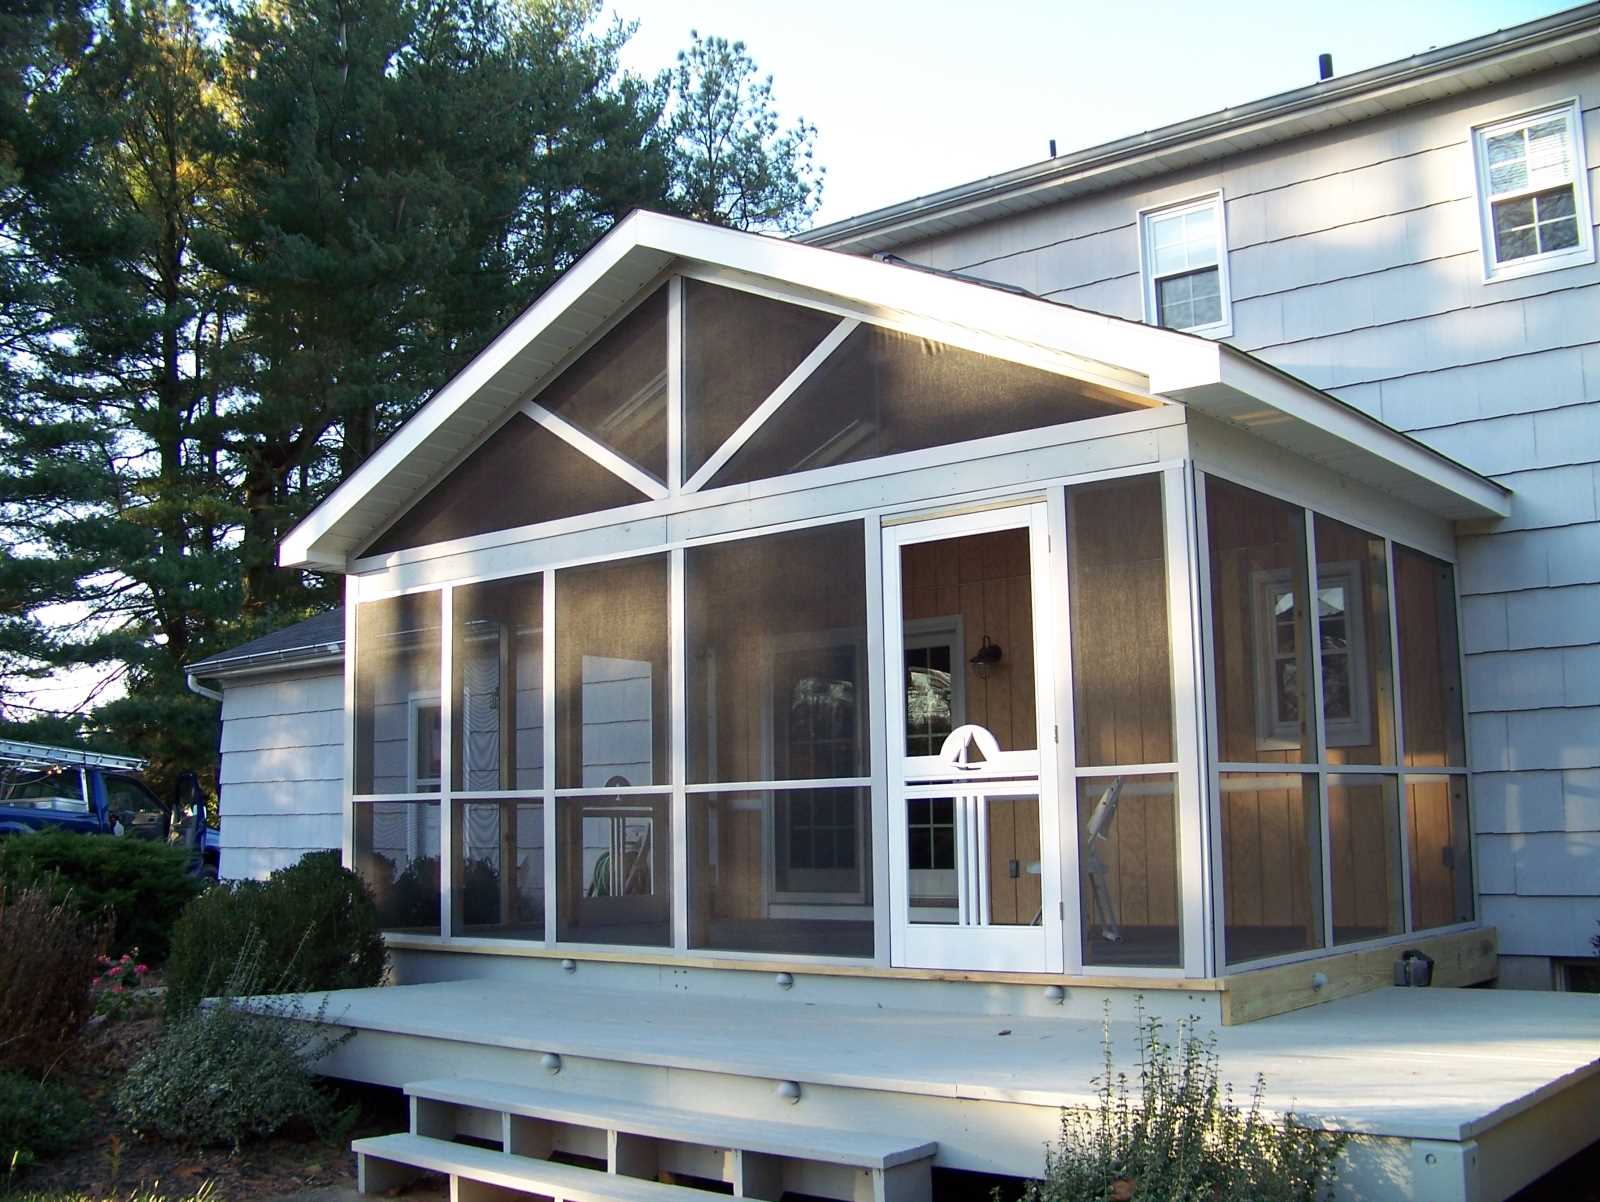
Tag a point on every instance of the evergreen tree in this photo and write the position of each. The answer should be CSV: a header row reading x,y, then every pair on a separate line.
x,y
110,494
732,162
237,250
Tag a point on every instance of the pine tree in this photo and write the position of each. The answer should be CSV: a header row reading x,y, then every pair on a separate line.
x,y
110,492
235,253
733,164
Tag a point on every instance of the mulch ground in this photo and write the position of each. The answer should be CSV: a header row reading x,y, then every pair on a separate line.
x,y
114,1162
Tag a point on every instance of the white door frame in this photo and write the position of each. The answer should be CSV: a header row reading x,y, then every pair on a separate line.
x,y
970,944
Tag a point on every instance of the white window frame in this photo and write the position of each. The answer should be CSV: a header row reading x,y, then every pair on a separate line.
x,y
1556,260
1152,311
1354,731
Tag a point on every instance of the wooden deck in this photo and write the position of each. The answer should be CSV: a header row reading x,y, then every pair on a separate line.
x,y
1457,1093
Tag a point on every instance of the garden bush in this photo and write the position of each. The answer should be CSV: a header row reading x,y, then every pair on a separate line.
x,y
141,885
38,1121
1181,1137
226,1072
48,960
315,920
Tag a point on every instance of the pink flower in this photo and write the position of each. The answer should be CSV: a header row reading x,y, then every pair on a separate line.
x,y
114,970
141,969
116,989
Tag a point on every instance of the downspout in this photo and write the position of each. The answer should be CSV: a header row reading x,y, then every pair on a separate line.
x,y
196,687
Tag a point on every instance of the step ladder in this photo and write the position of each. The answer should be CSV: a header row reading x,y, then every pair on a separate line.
x,y
637,1142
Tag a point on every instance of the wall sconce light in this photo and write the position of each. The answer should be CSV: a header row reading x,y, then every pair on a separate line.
x,y
988,656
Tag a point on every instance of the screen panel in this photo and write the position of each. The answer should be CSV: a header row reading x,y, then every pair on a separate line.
x,y
613,694
1260,626
498,665
1430,661
776,683
883,392
1271,864
398,744
1353,621
1121,653
785,871
616,392
737,348
522,474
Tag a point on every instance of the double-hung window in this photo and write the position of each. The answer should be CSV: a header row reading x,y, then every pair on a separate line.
x,y
1185,253
1532,193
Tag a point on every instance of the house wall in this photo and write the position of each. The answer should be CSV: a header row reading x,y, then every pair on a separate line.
x,y
1355,264
282,776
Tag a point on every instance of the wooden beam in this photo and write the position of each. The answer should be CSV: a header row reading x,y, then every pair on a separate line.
x,y
1459,959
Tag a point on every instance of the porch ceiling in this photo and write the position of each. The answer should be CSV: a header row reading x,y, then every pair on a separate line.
x,y
1153,365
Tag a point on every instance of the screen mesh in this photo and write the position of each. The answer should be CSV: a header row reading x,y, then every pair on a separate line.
x,y
613,696
737,348
616,392
1121,654
1430,660
776,679
522,474
498,662
785,872
614,869
883,391
398,748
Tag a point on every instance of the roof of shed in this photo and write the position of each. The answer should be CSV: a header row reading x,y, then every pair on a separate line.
x,y
1433,75
1162,366
319,637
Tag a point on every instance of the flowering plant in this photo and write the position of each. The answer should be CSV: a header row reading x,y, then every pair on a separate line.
x,y
119,987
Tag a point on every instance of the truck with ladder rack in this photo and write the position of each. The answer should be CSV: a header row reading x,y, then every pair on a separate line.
x,y
94,793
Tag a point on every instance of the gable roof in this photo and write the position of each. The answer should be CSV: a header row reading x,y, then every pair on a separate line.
x,y
1156,365
1344,99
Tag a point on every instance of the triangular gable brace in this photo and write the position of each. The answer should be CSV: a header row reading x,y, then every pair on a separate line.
x,y
1207,376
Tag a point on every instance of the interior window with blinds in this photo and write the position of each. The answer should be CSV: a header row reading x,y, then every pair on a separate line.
x,y
1533,210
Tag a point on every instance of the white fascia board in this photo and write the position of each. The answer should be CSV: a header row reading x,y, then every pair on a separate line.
x,y
1099,340
299,547
1459,491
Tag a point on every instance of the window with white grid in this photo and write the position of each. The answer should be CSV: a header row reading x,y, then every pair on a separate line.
x,y
1533,194
1185,252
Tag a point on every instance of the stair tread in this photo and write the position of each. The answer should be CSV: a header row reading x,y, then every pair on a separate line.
x,y
571,1183
859,1149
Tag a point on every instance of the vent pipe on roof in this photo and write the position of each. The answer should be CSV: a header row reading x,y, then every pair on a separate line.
x,y
1324,66
1052,148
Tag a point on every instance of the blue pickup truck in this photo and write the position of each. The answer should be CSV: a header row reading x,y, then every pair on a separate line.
x,y
92,793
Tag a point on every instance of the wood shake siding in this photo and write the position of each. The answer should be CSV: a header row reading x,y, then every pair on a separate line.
x,y
1356,265
282,770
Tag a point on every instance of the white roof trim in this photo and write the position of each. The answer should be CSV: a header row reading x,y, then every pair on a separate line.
x,y
534,347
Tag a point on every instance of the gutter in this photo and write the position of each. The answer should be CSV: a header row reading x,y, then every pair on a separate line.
x,y
902,218
263,661
196,687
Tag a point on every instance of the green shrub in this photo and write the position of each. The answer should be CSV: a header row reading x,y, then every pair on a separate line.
x,y
38,1121
141,885
48,961
1181,1137
231,1071
315,920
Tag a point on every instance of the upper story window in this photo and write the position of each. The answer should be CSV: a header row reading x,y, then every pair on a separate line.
x,y
1185,252
1533,197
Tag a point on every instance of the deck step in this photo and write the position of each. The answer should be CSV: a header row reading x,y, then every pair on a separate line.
x,y
523,1174
856,1149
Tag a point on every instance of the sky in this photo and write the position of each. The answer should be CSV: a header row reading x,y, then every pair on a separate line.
x,y
909,98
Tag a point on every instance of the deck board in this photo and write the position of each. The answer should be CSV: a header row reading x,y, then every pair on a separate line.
x,y
1413,1063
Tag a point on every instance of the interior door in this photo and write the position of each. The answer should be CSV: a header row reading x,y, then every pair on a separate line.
x,y
973,847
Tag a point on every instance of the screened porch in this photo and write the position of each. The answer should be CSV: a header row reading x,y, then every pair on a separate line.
x,y
781,626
